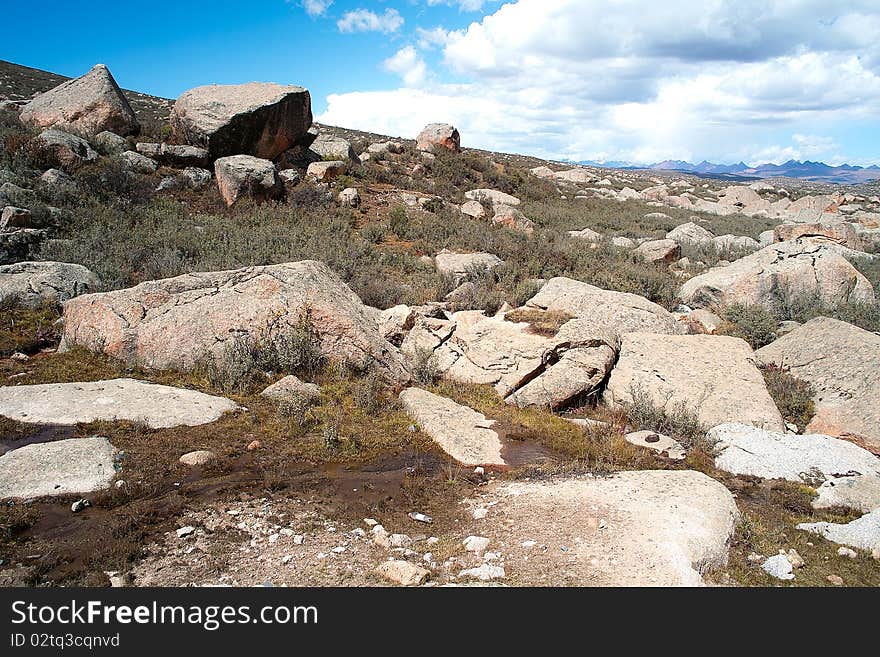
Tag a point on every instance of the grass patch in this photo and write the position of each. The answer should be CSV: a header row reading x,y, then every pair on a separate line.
x,y
26,330
793,397
541,322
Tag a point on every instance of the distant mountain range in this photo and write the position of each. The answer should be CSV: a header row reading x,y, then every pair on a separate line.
x,y
813,171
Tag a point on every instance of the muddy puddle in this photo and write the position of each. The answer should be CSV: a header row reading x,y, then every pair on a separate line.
x,y
40,433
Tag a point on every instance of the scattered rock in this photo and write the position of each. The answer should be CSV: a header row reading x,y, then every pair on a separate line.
x,y
349,197
464,434
183,532
244,175
485,573
138,163
862,533
493,197
80,505
175,155
461,266
69,150
778,566
659,251
474,210
198,458
155,405
330,147
663,445
36,283
476,544
290,387
109,143
61,467
511,218
403,573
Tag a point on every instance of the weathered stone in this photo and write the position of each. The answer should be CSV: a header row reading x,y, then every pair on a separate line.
x,y
57,178
438,136
690,234
800,267
36,283
862,533
473,209
642,528
176,323
12,217
63,467
841,232
834,466
69,150
198,458
138,163
155,405
87,105
735,243
349,197
587,234
243,175
623,242
575,176
330,147
175,155
460,266
196,178
705,321
464,434
395,322
860,492
511,218
621,311
493,197
327,171
712,376
258,119
291,387
402,572
659,251
542,172
109,143
841,362
657,442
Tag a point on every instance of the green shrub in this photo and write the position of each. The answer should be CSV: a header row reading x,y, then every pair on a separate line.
x,y
679,421
751,322
793,396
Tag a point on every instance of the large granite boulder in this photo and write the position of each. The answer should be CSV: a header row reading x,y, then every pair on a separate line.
x,y
257,118
36,283
841,232
690,234
177,323
842,362
86,105
712,376
785,269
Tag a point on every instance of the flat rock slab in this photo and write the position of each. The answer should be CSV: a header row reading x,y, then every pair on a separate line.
x,y
843,472
639,528
657,442
862,533
64,467
711,375
158,406
463,433
842,362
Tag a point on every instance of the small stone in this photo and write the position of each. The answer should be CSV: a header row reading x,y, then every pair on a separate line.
x,y
400,540
19,357
79,505
254,445
339,549
480,471
795,559
836,580
755,558
403,573
369,522
529,544
485,573
476,544
778,566
480,513
846,552
421,517
298,539
197,458
183,532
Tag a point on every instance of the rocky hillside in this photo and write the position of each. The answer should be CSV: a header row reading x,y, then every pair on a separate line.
x,y
240,347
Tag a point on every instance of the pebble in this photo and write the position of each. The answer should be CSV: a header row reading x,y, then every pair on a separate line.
x,y
485,573
183,532
837,580
480,513
79,505
254,445
846,552
778,566
477,544
19,357
421,517
795,559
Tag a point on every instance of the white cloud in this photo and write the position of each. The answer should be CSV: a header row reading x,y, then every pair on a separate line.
x,y
364,20
463,5
641,81
436,36
316,8
408,64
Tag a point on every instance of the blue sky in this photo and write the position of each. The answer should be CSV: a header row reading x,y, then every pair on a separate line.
x,y
753,80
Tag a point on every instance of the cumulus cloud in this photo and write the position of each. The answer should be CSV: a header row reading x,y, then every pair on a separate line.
x,y
408,64
640,81
364,20
434,37
463,5
316,8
